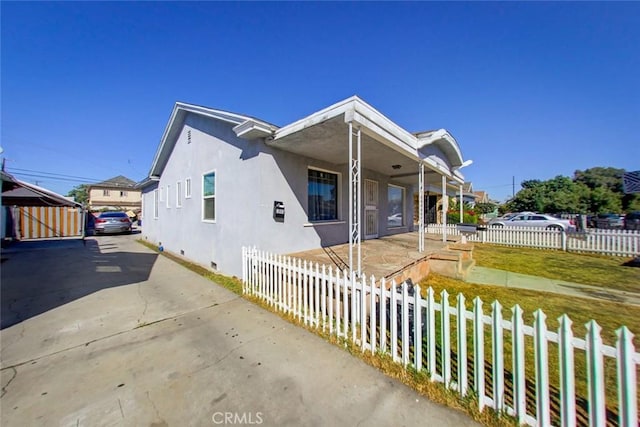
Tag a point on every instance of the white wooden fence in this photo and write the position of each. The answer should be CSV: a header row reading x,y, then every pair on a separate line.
x,y
390,318
606,242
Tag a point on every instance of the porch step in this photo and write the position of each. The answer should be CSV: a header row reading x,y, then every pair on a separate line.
x,y
452,263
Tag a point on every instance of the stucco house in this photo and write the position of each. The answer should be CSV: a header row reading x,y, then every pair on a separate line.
x,y
220,181
118,193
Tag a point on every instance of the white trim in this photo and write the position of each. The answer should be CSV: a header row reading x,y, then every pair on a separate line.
x,y
314,224
168,196
188,188
404,206
215,196
338,198
252,129
156,203
178,194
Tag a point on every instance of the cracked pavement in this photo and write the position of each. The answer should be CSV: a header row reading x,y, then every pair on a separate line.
x,y
110,333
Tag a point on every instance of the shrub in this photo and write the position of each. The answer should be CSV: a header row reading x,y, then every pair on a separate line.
x,y
470,217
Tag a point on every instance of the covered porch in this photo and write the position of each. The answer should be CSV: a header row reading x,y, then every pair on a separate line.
x,y
396,257
357,138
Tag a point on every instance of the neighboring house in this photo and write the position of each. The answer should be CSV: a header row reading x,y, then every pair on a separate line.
x,y
481,197
468,195
118,193
220,181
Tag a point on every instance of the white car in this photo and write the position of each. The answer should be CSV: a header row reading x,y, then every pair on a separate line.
x,y
528,219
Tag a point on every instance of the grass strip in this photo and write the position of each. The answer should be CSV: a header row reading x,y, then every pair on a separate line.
x,y
588,269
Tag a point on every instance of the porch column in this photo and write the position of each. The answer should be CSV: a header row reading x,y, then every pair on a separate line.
x,y
445,208
461,208
421,208
355,198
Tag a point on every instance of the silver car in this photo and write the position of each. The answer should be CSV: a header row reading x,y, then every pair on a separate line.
x,y
113,222
528,219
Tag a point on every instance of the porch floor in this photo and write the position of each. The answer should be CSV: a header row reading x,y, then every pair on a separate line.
x,y
382,257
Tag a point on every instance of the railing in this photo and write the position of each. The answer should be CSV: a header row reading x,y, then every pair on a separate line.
x,y
389,318
606,242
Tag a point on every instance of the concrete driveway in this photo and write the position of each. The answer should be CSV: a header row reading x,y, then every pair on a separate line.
x,y
108,333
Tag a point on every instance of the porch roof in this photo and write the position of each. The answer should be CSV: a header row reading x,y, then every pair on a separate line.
x,y
387,148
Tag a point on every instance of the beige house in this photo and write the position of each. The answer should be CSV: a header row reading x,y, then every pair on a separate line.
x,y
118,193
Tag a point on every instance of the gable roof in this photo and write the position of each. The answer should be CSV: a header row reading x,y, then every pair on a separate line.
x,y
245,126
119,181
289,137
481,195
20,193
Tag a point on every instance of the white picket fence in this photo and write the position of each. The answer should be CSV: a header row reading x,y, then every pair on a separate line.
x,y
606,242
389,318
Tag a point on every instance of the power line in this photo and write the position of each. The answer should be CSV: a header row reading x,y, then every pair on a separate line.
x,y
19,170
31,175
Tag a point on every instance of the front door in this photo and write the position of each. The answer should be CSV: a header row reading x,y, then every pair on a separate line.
x,y
370,209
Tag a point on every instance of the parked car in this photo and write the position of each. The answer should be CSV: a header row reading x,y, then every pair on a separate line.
x,y
632,221
609,221
528,219
112,222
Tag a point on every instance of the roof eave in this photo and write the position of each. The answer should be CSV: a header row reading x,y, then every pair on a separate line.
x,y
253,129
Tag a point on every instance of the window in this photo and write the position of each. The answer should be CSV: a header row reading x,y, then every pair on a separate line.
x,y
105,192
395,202
156,196
168,196
161,194
187,188
123,194
209,196
178,194
323,195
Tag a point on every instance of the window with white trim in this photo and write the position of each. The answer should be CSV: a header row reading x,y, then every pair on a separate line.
x,y
209,196
187,188
161,194
178,194
155,203
168,196
395,202
322,189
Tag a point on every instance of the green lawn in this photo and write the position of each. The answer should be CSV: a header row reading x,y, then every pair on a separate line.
x,y
609,315
595,270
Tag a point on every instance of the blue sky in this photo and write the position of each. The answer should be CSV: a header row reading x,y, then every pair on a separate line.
x,y
530,90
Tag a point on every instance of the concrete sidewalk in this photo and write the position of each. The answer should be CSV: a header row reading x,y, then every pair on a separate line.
x,y
492,276
112,334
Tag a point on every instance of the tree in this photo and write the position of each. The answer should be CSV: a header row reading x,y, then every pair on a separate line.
x,y
610,178
595,190
80,193
485,208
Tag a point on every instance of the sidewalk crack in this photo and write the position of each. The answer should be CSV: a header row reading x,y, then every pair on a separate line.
x,y
4,389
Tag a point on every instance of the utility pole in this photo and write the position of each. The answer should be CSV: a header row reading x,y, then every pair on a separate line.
x,y
513,186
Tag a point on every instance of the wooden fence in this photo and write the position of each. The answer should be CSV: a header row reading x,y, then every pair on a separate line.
x,y
464,349
42,222
606,242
